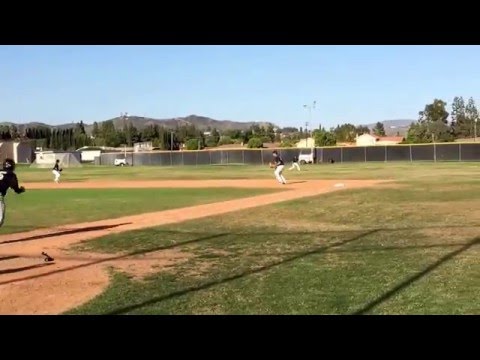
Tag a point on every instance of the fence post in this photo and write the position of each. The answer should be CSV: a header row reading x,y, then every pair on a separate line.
x,y
434,152
196,158
459,152
210,157
171,160
261,153
365,153
243,157
386,156
410,147
228,152
341,155
183,161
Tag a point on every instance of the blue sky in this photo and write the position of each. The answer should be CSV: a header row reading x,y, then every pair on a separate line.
x,y
357,84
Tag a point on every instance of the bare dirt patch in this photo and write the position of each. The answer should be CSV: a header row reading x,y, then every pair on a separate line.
x,y
28,285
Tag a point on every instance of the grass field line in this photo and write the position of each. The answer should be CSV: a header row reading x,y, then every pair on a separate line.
x,y
87,278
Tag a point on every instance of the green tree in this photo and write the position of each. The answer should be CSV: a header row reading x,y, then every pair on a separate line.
x,y
471,114
379,129
287,143
458,116
150,133
434,112
96,130
289,130
225,140
255,143
324,138
345,133
216,136
193,144
210,142
432,125
14,132
362,129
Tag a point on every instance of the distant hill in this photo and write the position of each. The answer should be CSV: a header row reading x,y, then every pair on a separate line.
x,y
200,122
392,127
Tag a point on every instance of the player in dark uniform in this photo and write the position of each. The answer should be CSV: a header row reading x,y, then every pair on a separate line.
x,y
279,164
294,164
8,179
56,171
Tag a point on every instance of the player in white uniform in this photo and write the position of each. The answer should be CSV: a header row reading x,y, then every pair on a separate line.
x,y
56,171
279,165
294,164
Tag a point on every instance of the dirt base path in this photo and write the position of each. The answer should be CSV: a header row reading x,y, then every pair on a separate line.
x,y
28,285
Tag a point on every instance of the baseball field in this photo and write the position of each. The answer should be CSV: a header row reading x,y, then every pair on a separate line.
x,y
373,238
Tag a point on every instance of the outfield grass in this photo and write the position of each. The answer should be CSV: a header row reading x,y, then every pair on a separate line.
x,y
407,250
395,170
44,208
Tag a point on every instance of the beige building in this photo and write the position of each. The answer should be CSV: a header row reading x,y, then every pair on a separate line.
x,y
366,140
372,140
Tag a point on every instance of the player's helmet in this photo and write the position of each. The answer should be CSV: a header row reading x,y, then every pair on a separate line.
x,y
9,165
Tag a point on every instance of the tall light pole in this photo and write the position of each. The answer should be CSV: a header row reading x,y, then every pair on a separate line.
x,y
475,129
309,108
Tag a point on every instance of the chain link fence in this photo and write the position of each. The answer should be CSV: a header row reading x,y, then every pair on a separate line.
x,y
421,152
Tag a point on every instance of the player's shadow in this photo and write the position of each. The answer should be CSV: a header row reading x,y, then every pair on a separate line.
x,y
64,232
24,268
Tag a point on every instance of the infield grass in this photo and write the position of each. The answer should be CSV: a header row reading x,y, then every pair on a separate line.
x,y
45,208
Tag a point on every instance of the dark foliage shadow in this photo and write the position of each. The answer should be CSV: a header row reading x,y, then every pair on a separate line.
x,y
24,268
64,232
9,257
384,297
112,258
237,276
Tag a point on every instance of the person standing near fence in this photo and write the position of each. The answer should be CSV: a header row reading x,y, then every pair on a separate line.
x,y
295,164
278,164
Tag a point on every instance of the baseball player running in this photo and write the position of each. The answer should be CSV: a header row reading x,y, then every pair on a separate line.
x,y
278,164
8,179
294,164
56,171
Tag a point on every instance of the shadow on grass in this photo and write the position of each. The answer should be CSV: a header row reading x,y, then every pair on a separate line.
x,y
292,257
207,285
112,258
64,232
415,277
24,268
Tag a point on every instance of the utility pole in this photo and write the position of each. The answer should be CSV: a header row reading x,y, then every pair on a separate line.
x,y
309,108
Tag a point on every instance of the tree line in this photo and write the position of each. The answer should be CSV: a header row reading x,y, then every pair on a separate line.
x,y
435,124
106,134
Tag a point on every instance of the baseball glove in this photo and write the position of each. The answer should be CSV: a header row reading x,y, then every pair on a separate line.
x,y
272,165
